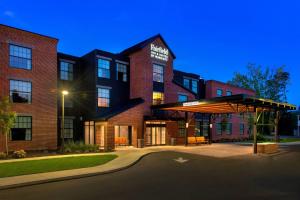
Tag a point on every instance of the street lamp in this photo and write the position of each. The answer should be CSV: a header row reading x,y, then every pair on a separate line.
x,y
64,92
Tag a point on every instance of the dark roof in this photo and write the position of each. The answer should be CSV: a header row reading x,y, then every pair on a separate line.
x,y
67,56
230,85
29,32
227,104
144,43
196,76
117,110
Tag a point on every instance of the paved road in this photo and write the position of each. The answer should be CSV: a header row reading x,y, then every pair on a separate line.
x,y
158,176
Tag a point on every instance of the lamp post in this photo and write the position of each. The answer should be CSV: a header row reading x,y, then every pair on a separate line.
x,y
64,92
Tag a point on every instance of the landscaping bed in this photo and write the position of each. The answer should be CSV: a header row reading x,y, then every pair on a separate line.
x,y
52,164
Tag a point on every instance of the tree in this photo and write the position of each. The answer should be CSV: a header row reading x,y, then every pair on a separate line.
x,y
7,119
266,82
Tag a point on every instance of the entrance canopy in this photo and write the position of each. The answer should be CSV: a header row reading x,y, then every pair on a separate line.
x,y
227,104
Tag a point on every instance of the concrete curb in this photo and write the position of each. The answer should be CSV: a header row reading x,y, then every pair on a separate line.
x,y
74,177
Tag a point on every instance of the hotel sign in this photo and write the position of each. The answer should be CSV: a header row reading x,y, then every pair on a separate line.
x,y
193,103
159,53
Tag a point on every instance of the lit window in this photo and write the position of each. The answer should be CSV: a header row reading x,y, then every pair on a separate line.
x,y
228,93
242,129
121,72
68,129
186,83
103,97
158,73
66,71
103,68
19,57
20,91
182,98
22,128
219,92
181,128
158,98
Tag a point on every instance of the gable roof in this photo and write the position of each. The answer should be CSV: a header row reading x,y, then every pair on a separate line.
x,y
144,43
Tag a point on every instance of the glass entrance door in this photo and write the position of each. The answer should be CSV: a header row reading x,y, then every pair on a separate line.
x,y
156,135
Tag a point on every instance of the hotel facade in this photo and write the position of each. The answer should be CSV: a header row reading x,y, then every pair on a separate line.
x,y
111,96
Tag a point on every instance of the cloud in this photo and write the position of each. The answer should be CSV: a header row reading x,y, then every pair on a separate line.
x,y
9,13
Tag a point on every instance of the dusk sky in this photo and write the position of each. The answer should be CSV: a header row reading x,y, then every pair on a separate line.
x,y
211,38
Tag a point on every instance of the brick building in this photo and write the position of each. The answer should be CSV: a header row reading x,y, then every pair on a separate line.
x,y
110,94
28,75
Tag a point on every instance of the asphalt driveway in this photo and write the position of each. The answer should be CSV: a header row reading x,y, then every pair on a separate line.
x,y
159,176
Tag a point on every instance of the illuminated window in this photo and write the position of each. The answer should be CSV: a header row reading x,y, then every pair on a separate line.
x,y
158,98
103,97
219,92
20,91
228,93
66,71
181,128
186,83
158,73
121,72
103,68
19,57
182,98
22,128
195,86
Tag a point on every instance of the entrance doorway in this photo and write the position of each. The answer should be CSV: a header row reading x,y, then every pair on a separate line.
x,y
123,135
156,135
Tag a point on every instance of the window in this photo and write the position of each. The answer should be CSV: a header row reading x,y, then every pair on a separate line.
x,y
228,93
198,128
19,57
181,128
103,68
121,72
103,97
219,92
68,102
242,129
22,128
158,98
229,128
158,73
219,128
182,98
68,129
20,91
195,86
66,71
186,83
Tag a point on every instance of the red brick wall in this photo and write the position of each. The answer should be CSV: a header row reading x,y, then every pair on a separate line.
x,y
43,76
211,91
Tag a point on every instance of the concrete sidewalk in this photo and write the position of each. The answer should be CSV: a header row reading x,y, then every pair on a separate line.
x,y
127,157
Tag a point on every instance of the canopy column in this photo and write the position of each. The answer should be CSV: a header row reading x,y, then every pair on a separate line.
x,y
276,126
186,127
210,129
255,131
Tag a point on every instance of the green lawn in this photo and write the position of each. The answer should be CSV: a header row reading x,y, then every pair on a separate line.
x,y
52,164
283,140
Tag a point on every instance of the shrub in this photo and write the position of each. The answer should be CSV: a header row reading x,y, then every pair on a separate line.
x,y
80,147
2,155
19,154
